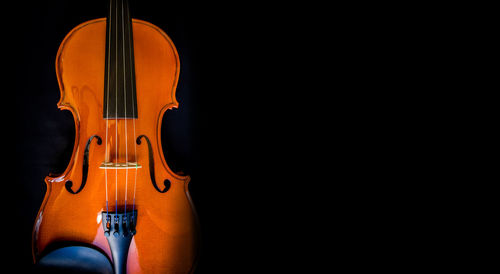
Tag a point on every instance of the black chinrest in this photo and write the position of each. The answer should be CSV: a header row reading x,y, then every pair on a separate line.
x,y
75,259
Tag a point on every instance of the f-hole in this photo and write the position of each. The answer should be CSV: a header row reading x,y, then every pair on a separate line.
x,y
85,168
166,182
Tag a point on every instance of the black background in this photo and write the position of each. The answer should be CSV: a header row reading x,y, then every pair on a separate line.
x,y
251,113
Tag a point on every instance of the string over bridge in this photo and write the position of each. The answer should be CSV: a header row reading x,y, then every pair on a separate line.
x,y
127,165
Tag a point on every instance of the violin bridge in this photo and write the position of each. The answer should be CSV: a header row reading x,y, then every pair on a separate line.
x,y
127,165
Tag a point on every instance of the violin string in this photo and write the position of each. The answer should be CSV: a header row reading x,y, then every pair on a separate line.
x,y
106,155
116,111
133,107
125,119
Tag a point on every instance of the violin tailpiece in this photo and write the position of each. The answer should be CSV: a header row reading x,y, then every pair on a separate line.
x,y
119,228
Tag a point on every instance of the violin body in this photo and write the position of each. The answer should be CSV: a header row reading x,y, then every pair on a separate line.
x,y
95,184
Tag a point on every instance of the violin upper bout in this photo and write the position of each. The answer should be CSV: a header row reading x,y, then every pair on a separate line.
x,y
79,63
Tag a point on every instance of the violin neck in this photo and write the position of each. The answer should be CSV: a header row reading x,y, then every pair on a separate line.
x,y
120,101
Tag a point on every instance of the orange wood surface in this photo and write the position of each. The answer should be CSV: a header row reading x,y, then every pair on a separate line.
x,y
167,236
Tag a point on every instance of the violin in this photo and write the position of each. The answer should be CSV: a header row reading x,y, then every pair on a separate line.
x,y
118,198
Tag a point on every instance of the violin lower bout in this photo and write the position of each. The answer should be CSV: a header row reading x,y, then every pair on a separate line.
x,y
166,231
